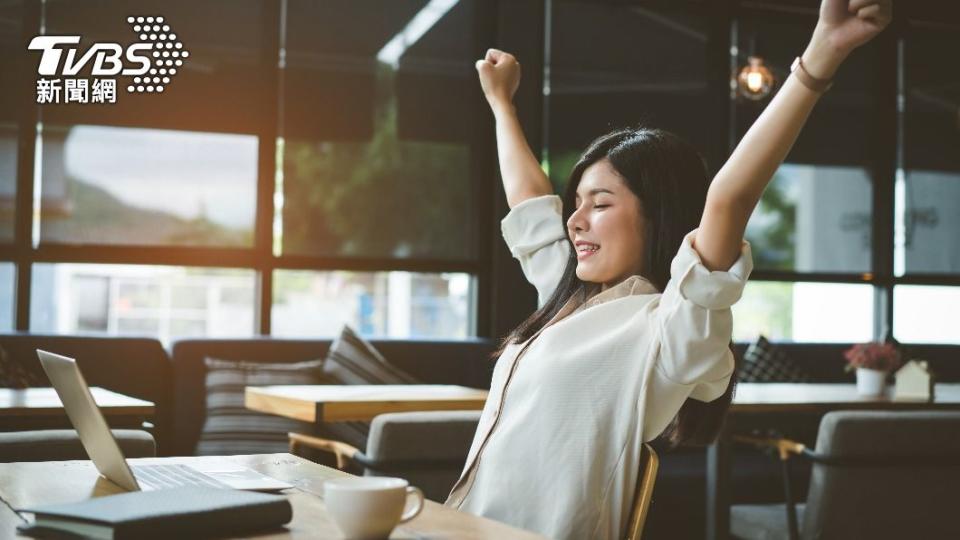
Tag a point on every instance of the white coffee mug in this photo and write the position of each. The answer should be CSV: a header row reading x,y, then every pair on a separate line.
x,y
370,506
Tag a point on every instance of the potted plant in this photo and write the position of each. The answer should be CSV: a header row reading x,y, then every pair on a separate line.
x,y
873,361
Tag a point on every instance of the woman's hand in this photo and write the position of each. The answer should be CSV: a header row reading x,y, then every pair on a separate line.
x,y
499,77
844,25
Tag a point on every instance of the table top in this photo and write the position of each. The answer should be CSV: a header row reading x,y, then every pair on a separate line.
x,y
798,397
45,402
27,484
339,403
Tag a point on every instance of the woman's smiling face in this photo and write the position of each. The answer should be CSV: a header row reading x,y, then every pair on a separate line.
x,y
606,227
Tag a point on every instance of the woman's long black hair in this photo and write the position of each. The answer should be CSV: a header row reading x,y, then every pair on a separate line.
x,y
670,179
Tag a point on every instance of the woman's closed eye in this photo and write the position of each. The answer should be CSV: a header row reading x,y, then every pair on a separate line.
x,y
601,205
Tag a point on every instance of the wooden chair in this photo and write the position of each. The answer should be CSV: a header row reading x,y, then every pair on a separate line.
x,y
344,453
649,463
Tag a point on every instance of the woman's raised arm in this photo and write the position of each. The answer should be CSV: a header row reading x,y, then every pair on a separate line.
x,y
843,26
522,176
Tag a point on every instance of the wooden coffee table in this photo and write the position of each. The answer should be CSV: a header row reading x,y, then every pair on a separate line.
x,y
40,408
341,403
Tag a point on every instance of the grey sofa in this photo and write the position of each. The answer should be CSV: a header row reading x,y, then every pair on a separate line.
x,y
137,367
463,363
64,444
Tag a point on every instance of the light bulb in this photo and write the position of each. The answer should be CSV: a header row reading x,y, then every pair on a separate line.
x,y
755,80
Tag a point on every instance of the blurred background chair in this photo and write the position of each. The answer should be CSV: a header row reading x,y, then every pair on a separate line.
x,y
875,475
64,444
428,449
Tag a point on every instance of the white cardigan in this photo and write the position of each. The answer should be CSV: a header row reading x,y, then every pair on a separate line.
x,y
558,443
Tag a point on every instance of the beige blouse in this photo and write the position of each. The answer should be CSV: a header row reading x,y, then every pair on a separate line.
x,y
557,447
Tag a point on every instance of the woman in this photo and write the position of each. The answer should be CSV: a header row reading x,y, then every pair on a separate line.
x,y
635,269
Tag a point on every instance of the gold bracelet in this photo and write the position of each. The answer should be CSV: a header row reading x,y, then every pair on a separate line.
x,y
800,72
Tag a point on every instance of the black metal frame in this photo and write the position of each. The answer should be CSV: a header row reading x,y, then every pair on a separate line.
x,y
498,304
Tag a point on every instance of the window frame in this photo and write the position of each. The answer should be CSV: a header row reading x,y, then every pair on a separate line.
x,y
499,302
24,252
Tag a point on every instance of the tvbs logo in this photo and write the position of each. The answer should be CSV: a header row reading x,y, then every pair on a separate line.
x,y
106,57
152,62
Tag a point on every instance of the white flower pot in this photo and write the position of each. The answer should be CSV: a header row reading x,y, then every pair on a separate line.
x,y
871,382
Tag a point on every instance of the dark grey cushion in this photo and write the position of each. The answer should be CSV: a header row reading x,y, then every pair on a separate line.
x,y
64,444
916,500
427,435
230,427
434,444
912,499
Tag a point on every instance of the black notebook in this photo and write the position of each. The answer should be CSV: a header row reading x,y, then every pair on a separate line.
x,y
172,513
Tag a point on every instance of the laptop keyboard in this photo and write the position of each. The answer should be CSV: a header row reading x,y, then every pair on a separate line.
x,y
169,476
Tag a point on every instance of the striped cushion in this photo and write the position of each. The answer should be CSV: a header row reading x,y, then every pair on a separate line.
x,y
353,360
230,428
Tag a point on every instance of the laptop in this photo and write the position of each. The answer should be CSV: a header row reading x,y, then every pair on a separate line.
x,y
103,449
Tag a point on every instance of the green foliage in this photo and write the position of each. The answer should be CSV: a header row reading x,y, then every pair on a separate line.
x,y
561,163
766,308
774,243
387,197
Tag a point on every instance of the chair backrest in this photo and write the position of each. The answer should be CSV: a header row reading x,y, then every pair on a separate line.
x,y
647,476
428,448
908,492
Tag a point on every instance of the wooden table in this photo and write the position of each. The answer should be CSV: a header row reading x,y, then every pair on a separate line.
x,y
341,403
27,484
37,408
766,403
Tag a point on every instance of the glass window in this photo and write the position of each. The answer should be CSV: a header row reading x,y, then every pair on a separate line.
x,y
603,75
120,185
813,219
8,177
7,285
804,311
162,301
12,65
379,100
387,304
928,195
926,314
816,216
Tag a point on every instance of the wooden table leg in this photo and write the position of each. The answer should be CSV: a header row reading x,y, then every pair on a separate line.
x,y
718,488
